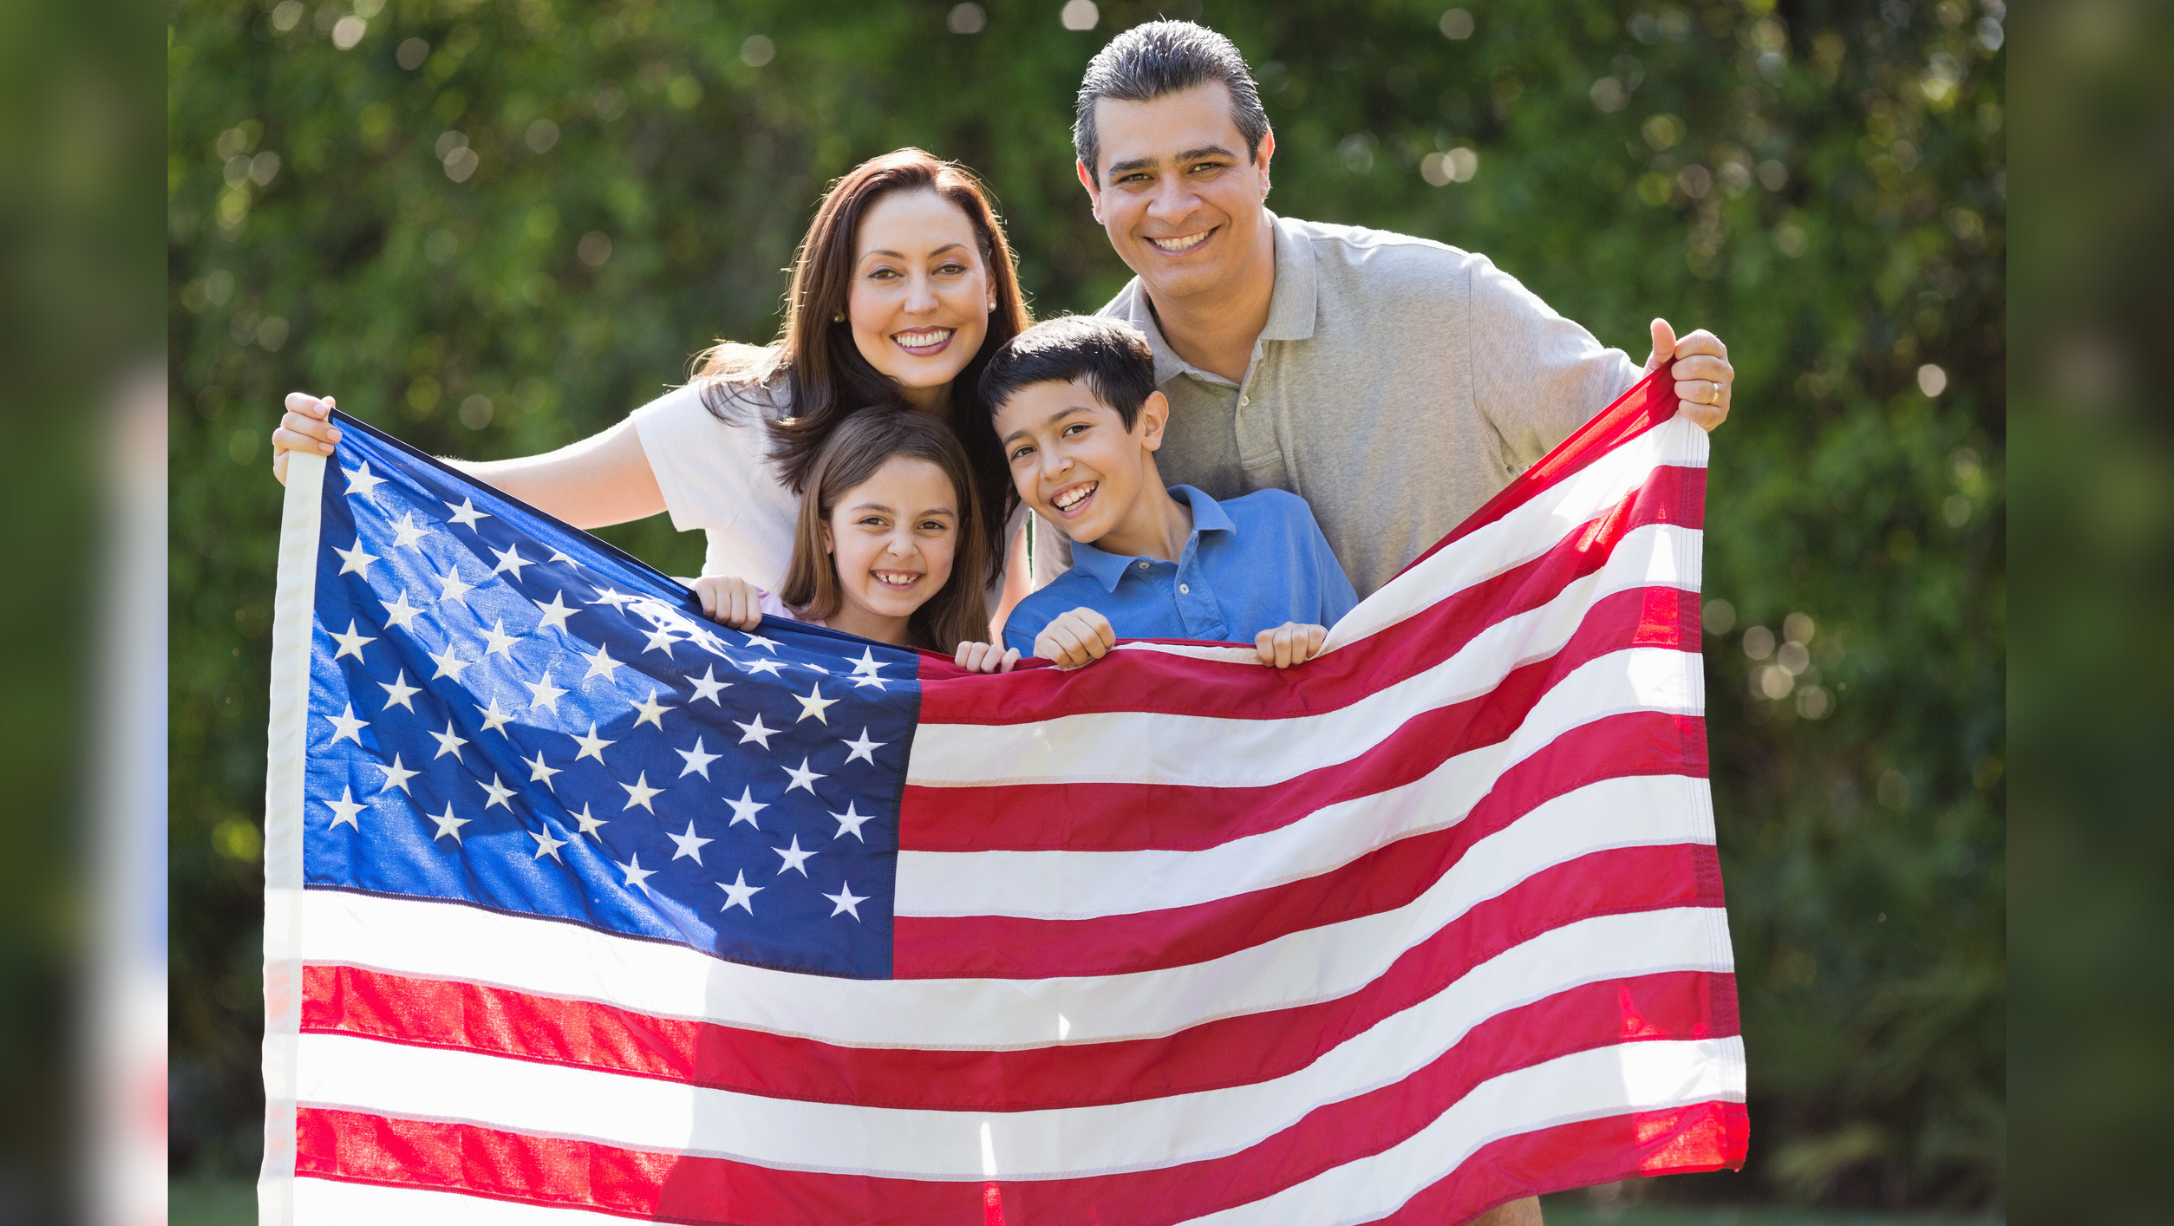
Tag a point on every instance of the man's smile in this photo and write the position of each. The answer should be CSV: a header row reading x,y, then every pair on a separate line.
x,y
1181,243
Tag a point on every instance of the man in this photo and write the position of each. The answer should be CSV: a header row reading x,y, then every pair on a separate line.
x,y
1394,383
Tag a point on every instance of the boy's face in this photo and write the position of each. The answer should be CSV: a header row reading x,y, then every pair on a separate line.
x,y
1071,457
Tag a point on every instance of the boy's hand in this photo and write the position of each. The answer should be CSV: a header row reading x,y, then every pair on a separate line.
x,y
985,657
1079,637
1290,643
735,602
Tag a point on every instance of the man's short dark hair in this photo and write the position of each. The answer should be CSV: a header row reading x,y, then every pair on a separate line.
x,y
1108,355
1149,61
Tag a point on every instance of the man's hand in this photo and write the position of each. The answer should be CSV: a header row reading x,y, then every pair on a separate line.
x,y
1079,637
735,602
985,657
1703,374
1290,643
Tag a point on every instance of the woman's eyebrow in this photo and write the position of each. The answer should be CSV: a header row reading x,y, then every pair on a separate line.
x,y
896,255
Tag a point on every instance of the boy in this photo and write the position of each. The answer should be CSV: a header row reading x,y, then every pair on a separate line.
x,y
1079,418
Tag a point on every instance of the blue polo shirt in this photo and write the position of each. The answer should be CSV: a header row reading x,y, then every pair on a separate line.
x,y
1251,564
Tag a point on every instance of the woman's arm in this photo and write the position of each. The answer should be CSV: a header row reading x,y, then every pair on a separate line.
x,y
603,479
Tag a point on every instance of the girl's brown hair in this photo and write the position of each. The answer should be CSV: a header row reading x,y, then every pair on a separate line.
x,y
858,446
824,372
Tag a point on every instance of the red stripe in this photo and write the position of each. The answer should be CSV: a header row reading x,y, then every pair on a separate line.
x,y
1153,681
1187,817
498,1163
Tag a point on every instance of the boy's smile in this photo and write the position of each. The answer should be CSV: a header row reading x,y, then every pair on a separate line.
x,y
1073,461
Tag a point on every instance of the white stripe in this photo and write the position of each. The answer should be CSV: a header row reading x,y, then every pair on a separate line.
x,y
294,620
1070,884
1586,1085
448,941
642,1113
1526,532
325,1202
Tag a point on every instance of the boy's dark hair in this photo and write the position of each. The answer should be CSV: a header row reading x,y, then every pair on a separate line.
x,y
1110,356
1166,57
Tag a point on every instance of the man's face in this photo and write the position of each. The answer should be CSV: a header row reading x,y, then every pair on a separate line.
x,y
1178,195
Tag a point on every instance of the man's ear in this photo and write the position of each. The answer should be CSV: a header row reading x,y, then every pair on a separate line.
x,y
1154,415
1088,181
1260,159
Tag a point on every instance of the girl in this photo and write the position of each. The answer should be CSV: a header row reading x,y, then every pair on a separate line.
x,y
889,541
902,288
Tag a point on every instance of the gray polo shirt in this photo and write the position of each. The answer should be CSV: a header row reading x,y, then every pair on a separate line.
x,y
1399,384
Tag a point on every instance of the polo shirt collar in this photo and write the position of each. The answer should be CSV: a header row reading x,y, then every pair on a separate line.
x,y
1291,305
1107,568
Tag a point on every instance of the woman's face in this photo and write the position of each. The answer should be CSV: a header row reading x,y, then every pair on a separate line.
x,y
921,297
892,538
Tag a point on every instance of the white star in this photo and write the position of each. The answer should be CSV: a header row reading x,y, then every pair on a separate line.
x,y
399,692
546,845
558,555
350,642
652,712
864,748
407,531
395,777
690,843
449,742
499,793
769,645
850,822
590,825
615,599
745,808
449,665
345,724
707,685
867,665
755,731
767,668
869,679
362,481
708,641
739,893
803,778
467,514
539,773
795,859
555,613
601,664
660,638
814,704
510,559
496,639
447,823
494,719
816,668
345,809
355,559
592,745
848,902
546,694
453,588
399,612
637,876
639,792
698,763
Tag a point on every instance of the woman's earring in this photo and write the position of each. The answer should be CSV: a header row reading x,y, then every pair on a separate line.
x,y
838,317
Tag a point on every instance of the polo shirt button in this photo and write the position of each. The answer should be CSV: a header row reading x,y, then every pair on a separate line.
x,y
1243,400
1185,589
1143,566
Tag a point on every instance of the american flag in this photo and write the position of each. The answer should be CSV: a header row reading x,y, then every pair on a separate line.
x,y
580,907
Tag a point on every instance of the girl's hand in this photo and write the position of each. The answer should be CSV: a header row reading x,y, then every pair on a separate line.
x,y
985,658
306,427
735,602
1079,637
1290,643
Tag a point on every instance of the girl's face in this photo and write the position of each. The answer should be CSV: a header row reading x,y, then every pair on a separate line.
x,y
921,296
892,539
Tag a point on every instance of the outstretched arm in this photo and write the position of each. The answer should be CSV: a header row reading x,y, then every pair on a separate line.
x,y
603,479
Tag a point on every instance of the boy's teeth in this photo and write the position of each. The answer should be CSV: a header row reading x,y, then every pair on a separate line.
x,y
1072,498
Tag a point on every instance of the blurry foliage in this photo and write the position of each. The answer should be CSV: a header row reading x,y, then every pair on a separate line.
x,y
495,228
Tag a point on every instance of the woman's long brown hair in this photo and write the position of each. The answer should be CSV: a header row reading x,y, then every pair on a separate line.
x,y
858,446
823,371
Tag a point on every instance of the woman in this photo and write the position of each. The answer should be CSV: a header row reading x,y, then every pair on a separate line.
x,y
902,289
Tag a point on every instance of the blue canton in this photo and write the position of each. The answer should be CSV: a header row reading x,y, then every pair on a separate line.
x,y
510,713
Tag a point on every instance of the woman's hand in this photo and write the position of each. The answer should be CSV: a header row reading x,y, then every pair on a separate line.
x,y
306,427
1079,637
1290,643
735,602
985,657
